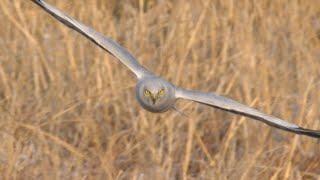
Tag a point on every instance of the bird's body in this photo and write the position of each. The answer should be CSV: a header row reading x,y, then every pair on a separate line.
x,y
158,95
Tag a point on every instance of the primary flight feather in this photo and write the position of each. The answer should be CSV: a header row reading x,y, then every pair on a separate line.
x,y
158,95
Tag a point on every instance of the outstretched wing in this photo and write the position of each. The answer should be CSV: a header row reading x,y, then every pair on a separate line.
x,y
230,105
104,42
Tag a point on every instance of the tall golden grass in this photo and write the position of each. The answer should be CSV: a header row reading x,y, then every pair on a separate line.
x,y
68,110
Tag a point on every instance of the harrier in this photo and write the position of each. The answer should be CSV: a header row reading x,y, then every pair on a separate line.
x,y
158,95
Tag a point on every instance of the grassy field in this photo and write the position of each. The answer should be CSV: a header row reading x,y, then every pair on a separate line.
x,y
64,102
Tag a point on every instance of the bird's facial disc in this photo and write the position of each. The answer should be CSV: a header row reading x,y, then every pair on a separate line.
x,y
154,95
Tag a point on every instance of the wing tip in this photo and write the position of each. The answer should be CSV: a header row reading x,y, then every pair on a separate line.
x,y
308,132
39,2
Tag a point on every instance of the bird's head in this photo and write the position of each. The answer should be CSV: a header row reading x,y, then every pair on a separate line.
x,y
155,94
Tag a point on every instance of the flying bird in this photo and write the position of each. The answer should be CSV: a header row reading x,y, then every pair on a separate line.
x,y
157,95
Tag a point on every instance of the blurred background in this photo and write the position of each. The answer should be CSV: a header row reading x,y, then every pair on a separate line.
x,y
68,109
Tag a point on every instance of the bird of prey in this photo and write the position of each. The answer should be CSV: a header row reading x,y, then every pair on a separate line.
x,y
158,95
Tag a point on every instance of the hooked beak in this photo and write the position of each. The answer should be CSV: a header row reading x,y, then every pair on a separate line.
x,y
154,99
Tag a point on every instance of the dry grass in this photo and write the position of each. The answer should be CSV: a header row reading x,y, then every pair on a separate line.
x,y
64,102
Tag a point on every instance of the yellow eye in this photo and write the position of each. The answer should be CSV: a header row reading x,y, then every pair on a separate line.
x,y
161,92
147,92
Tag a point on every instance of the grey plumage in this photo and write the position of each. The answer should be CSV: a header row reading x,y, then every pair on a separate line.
x,y
104,42
158,95
230,105
154,85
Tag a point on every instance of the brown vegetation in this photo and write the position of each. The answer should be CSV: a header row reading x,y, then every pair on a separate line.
x,y
68,110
